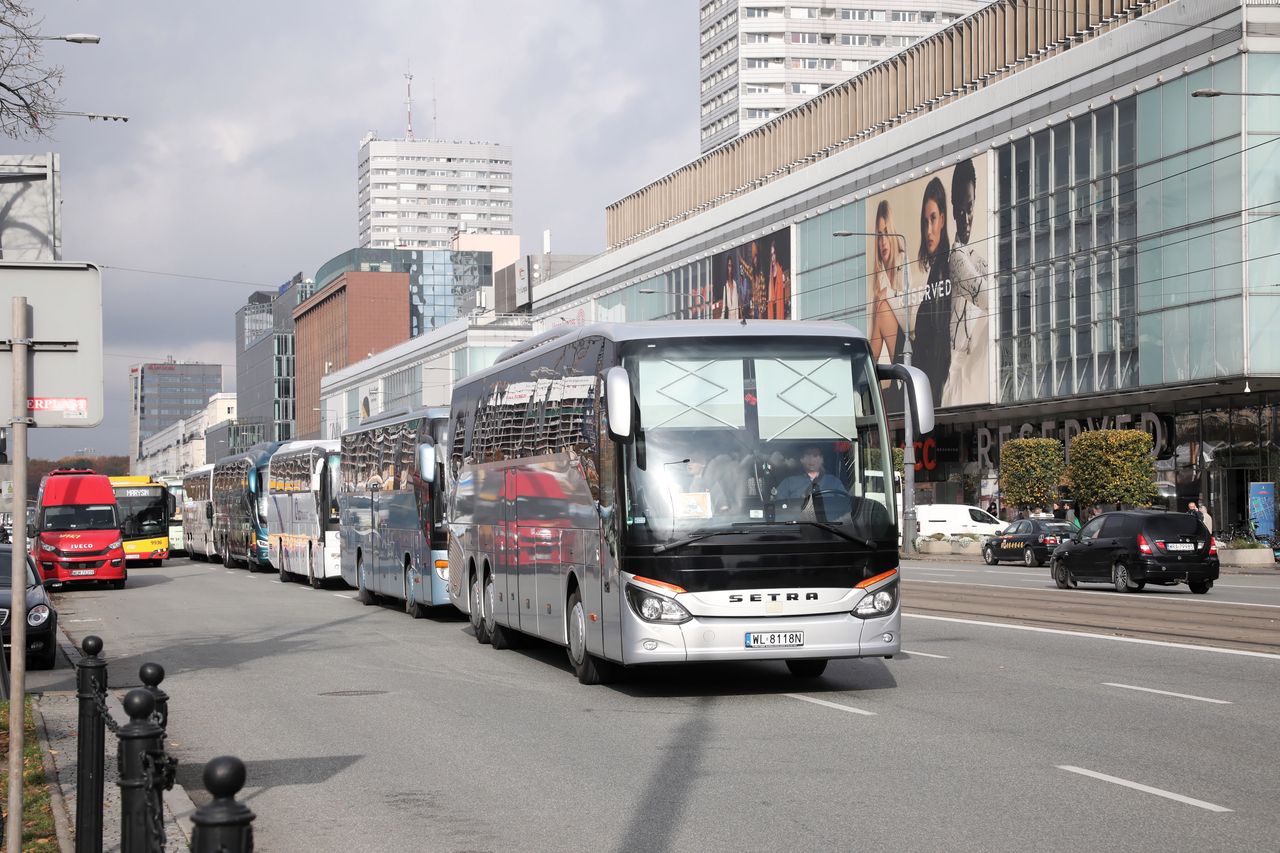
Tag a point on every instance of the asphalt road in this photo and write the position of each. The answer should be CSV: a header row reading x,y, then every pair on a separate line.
x,y
365,729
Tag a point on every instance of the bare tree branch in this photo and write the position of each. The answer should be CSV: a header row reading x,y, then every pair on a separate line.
x,y
28,87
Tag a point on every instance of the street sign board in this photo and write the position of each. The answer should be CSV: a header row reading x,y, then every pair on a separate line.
x,y
65,318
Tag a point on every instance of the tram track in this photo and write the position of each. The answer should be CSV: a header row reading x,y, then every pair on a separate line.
x,y
1141,615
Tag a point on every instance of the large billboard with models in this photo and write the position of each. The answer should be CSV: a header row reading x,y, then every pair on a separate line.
x,y
753,281
928,278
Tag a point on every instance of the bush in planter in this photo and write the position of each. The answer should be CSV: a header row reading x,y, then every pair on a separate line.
x,y
1246,544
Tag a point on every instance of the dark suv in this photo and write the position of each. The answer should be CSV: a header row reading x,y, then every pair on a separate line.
x,y
1133,548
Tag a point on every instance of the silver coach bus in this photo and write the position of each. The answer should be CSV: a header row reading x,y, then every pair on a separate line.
x,y
390,509
197,513
302,511
680,491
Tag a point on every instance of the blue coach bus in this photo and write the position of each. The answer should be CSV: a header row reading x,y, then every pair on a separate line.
x,y
240,507
393,539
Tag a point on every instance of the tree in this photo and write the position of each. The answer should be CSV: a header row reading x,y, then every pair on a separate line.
x,y
38,468
1112,466
28,87
1030,471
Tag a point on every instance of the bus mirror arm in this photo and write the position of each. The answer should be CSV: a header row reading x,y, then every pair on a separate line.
x,y
618,402
919,393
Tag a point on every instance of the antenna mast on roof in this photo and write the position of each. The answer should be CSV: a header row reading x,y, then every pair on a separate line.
x,y
408,103
433,109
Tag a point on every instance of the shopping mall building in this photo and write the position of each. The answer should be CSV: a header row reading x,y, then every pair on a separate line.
x,y
1073,236
1077,237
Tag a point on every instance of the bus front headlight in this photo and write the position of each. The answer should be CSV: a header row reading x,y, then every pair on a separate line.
x,y
878,603
652,607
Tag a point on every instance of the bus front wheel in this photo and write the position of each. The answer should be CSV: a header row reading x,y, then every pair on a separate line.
x,y
589,668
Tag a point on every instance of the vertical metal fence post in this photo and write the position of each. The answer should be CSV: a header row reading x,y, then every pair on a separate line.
x,y
139,797
223,826
91,749
151,674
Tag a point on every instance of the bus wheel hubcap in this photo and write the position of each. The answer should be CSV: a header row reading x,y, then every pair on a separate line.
x,y
577,632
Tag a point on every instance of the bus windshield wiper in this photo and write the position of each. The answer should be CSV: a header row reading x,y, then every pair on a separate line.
x,y
688,540
870,543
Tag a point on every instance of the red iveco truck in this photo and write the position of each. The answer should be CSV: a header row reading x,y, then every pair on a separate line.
x,y
77,535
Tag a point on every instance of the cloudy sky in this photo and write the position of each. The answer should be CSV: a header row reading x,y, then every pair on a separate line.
x,y
238,163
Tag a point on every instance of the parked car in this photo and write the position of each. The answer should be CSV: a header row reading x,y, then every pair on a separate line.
x,y
42,619
1132,548
955,519
1031,541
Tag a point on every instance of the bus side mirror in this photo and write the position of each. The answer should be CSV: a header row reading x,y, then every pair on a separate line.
x,y
171,504
208,511
919,393
427,462
618,403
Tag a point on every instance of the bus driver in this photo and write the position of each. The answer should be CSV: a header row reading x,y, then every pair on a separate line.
x,y
814,487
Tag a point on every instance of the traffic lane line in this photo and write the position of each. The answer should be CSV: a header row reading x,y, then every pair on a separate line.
x,y
1183,598
1092,636
1146,789
827,704
1167,693
343,595
925,655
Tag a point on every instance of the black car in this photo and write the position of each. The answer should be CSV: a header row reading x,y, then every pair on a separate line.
x,y
1133,548
42,619
1031,540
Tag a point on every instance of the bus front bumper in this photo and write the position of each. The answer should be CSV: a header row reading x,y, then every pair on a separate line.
x,y
832,635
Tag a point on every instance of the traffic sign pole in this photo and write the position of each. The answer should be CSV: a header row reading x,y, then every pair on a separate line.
x,y
20,343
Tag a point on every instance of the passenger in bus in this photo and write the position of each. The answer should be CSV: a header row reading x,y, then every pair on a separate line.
x,y
814,489
716,477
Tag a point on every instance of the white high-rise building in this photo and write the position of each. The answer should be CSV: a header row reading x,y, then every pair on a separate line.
x,y
760,58
418,193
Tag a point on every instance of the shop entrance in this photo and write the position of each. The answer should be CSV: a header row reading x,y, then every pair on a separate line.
x,y
1229,494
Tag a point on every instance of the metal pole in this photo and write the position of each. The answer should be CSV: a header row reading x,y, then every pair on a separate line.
x,y
909,450
91,747
140,802
18,575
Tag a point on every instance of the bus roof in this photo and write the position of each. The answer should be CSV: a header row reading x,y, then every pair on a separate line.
x,y
256,455
78,488
399,415
329,444
203,470
668,330
135,480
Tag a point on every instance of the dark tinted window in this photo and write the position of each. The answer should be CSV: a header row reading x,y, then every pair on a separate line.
x,y
1090,530
1174,524
1118,526
1058,529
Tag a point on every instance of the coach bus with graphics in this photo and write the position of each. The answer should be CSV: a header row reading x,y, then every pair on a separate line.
x,y
197,513
302,511
240,507
145,506
392,532
665,492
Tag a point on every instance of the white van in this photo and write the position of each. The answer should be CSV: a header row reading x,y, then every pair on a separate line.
x,y
955,519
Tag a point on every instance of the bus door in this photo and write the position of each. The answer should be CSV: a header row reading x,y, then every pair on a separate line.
x,y
510,564
375,556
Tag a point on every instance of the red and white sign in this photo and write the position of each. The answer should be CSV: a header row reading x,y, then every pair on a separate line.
x,y
70,407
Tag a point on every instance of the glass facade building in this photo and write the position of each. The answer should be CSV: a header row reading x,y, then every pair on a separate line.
x,y
165,392
1118,234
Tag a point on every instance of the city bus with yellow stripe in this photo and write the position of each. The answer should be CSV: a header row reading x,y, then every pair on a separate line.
x,y
145,506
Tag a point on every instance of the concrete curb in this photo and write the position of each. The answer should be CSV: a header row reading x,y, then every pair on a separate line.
x,y
61,813
961,558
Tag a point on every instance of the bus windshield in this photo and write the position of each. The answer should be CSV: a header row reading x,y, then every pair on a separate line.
x,y
79,517
142,512
743,434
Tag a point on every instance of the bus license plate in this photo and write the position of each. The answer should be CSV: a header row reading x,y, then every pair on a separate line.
x,y
81,572
774,639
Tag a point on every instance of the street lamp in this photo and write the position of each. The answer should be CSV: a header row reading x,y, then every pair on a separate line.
x,y
73,38
1217,93
909,442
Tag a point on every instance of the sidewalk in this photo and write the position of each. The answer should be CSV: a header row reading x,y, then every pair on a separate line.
x,y
57,718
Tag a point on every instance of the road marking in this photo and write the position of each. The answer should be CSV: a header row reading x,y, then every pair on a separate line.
x,y
1029,574
250,577
1166,693
69,621
1138,640
827,704
1184,598
926,655
344,595
1147,789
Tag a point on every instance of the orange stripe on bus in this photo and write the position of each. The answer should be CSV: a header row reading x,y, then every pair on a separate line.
x,y
661,584
883,576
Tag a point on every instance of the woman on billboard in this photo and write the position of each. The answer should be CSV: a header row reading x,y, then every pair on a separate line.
x,y
931,335
968,373
779,287
890,284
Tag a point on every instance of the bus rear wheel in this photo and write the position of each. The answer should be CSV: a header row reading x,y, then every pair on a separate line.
x,y
411,606
476,610
499,635
363,595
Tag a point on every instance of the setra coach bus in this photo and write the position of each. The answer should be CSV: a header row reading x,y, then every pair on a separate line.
x,y
390,507
680,491
239,494
197,513
302,511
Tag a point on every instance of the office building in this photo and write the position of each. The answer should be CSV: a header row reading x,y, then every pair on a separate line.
x,y
180,446
1111,234
165,392
419,193
760,58
265,358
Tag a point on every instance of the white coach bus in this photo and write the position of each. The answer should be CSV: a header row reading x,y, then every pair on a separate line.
x,y
302,511
197,513
680,491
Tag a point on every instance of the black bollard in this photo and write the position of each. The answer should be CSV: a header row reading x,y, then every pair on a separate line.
x,y
141,808
91,748
151,674
223,826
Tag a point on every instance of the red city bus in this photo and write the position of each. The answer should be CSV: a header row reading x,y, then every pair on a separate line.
x,y
77,531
